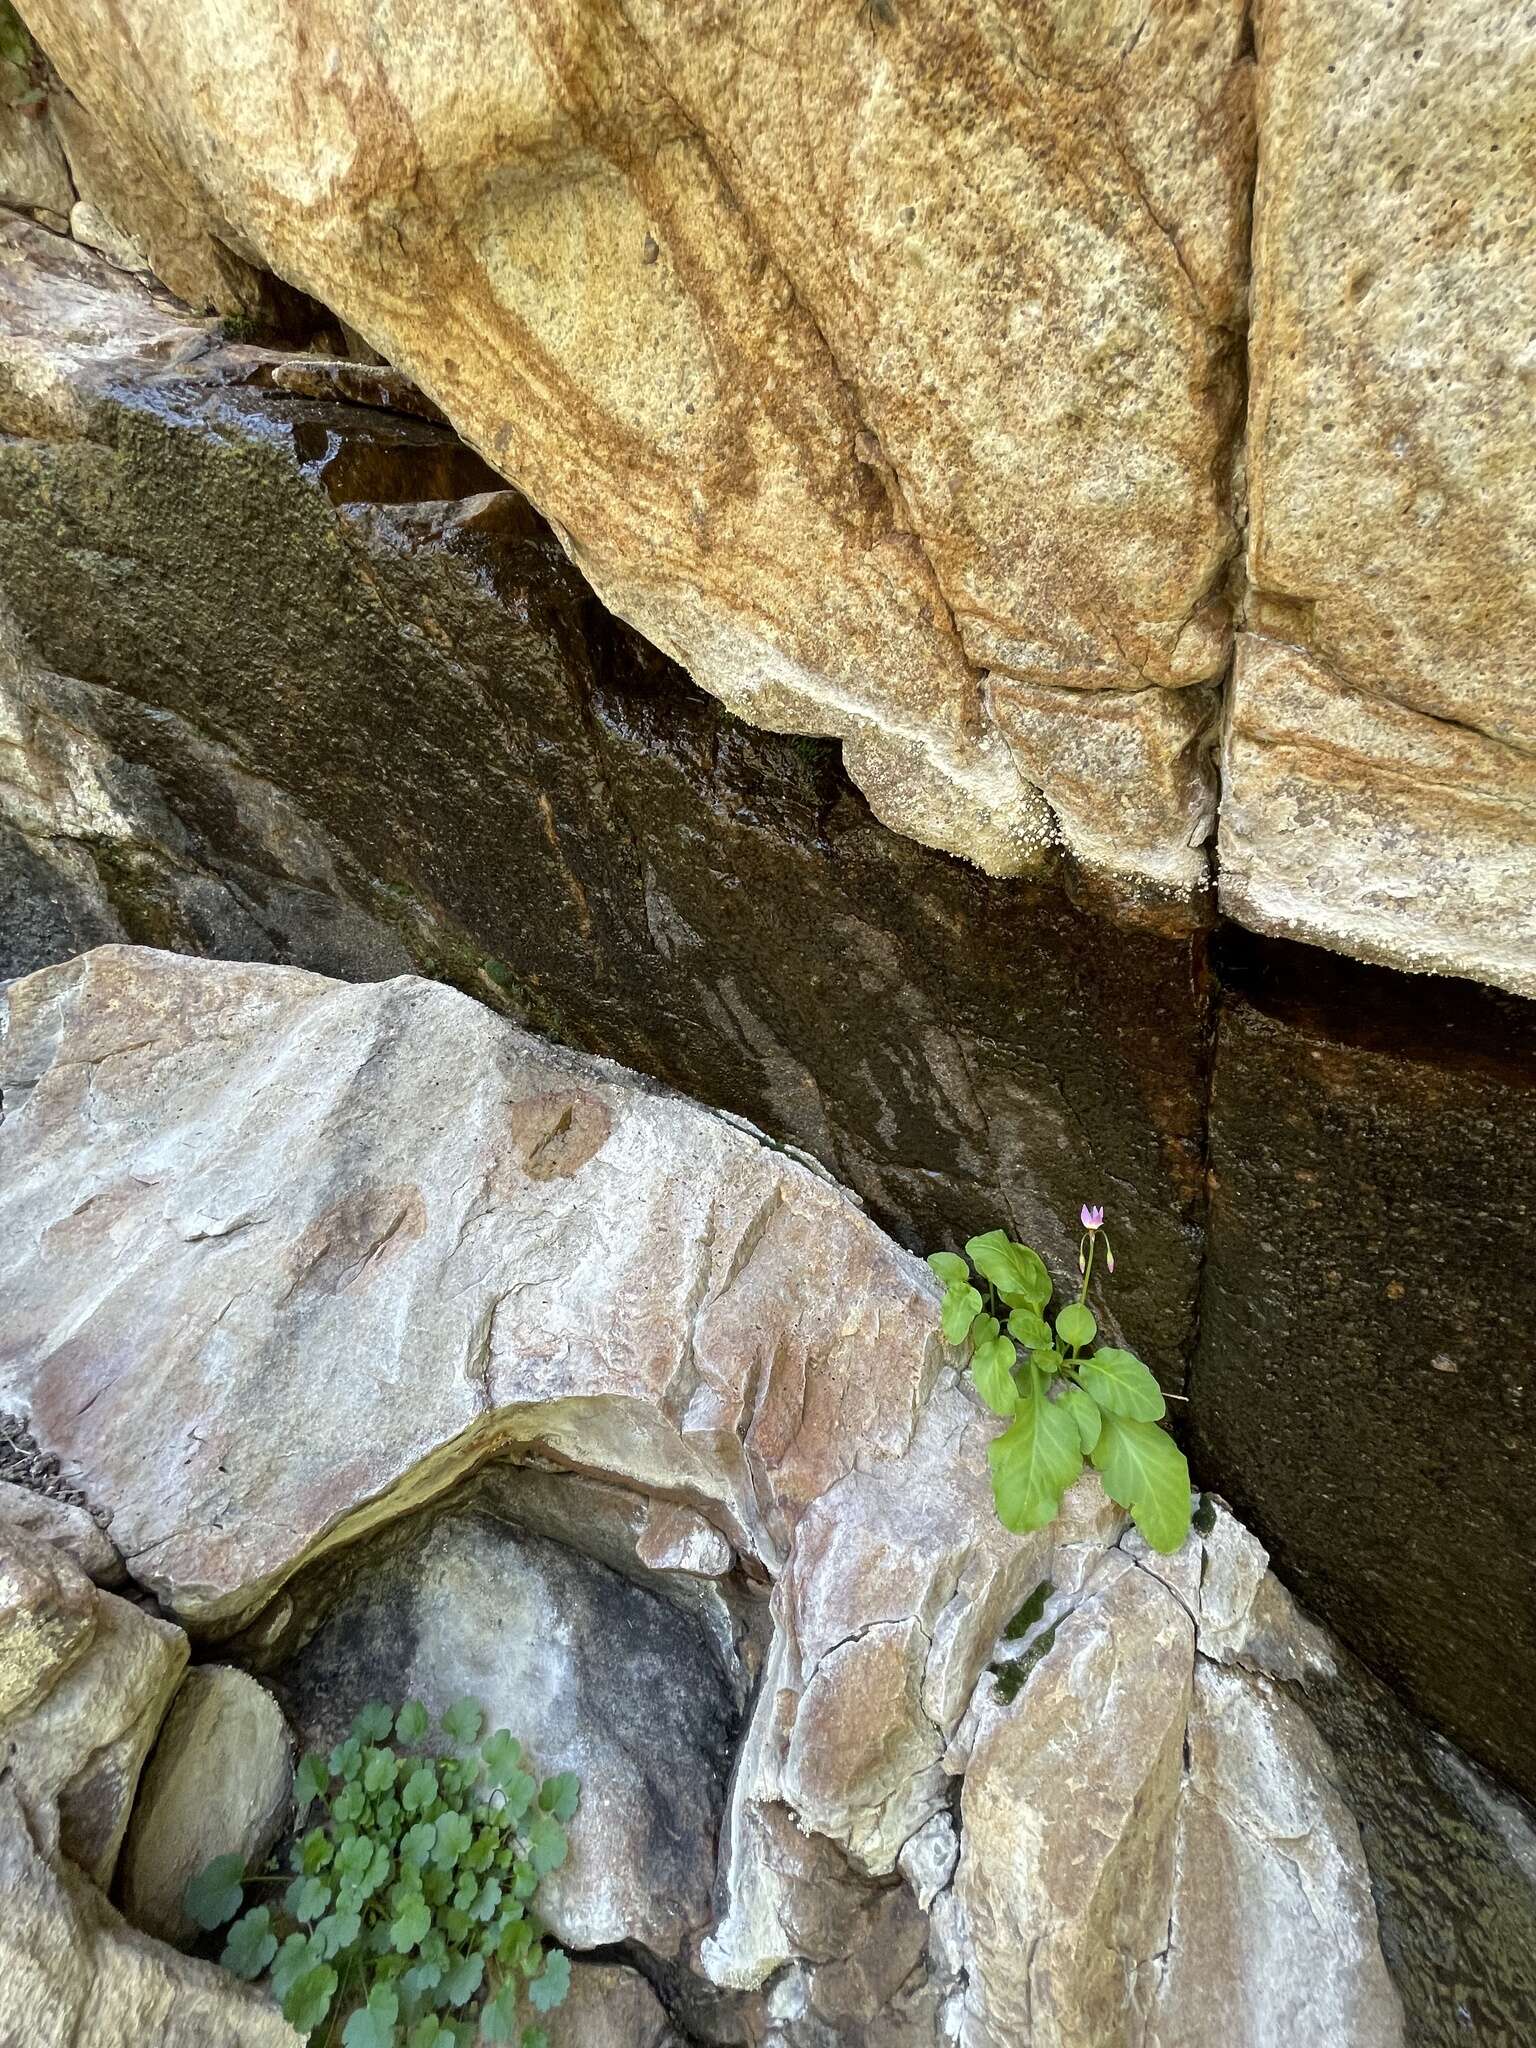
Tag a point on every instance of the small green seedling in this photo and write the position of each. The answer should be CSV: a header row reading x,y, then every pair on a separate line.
x,y
1067,1402
404,1917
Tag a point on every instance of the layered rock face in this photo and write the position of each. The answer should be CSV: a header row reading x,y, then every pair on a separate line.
x,y
345,720
928,452
720,1460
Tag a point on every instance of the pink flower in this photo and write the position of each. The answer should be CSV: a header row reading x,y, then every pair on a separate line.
x,y
1092,1218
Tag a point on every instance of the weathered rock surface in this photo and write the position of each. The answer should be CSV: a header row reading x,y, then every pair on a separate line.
x,y
1362,1377
563,1263
63,1524
219,1782
590,1671
1380,760
714,907
858,517
47,1620
81,1747
610,2007
73,1975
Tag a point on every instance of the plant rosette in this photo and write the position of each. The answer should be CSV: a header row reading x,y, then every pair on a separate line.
x,y
1068,1400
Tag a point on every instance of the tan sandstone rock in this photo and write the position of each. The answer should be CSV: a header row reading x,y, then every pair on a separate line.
x,y
73,1975
219,1782
1380,754
610,2007
923,442
83,1747
47,1619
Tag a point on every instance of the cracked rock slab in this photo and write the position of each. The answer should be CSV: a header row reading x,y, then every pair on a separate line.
x,y
1380,760
773,401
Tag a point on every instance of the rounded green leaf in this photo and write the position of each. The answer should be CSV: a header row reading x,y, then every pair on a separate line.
x,y
411,1722
216,1894
309,1998
1075,1325
420,1789
950,1267
561,1794
984,1329
498,2016
410,1926
251,1944
1144,1470
347,1758
1084,1413
501,1755
373,2024
454,1835
380,1769
1031,1330
337,1931
315,1851
464,1720
417,1843
548,1989
1035,1460
373,1722
310,1899
464,1979
1016,1272
992,1375
1122,1385
546,1843
297,1954
961,1305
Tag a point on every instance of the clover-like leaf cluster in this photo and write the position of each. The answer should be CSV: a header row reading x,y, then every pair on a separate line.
x,y
1066,1398
405,1909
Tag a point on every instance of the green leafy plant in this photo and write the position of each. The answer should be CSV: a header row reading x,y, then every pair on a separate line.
x,y
405,1912
1068,1398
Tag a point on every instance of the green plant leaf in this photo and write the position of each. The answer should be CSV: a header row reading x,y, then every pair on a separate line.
x,y
498,2016
1075,1325
518,1789
992,1375
950,1267
501,1755
380,1770
561,1794
297,1954
1048,1362
428,2032
420,1789
464,1720
311,1898
355,1858
417,1843
309,1998
374,1722
336,1932
513,1943
546,1843
1122,1385
1016,1272
1144,1470
350,1802
454,1835
410,1926
420,1978
373,2024
347,1758
251,1944
1031,1330
216,1894
309,1781
411,1722
487,1899
535,2037
548,1989
1084,1412
464,1979
315,1851
961,1305
1035,1460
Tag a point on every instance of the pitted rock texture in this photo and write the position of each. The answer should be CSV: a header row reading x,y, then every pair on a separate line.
x,y
395,730
1380,755
926,449
385,1202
